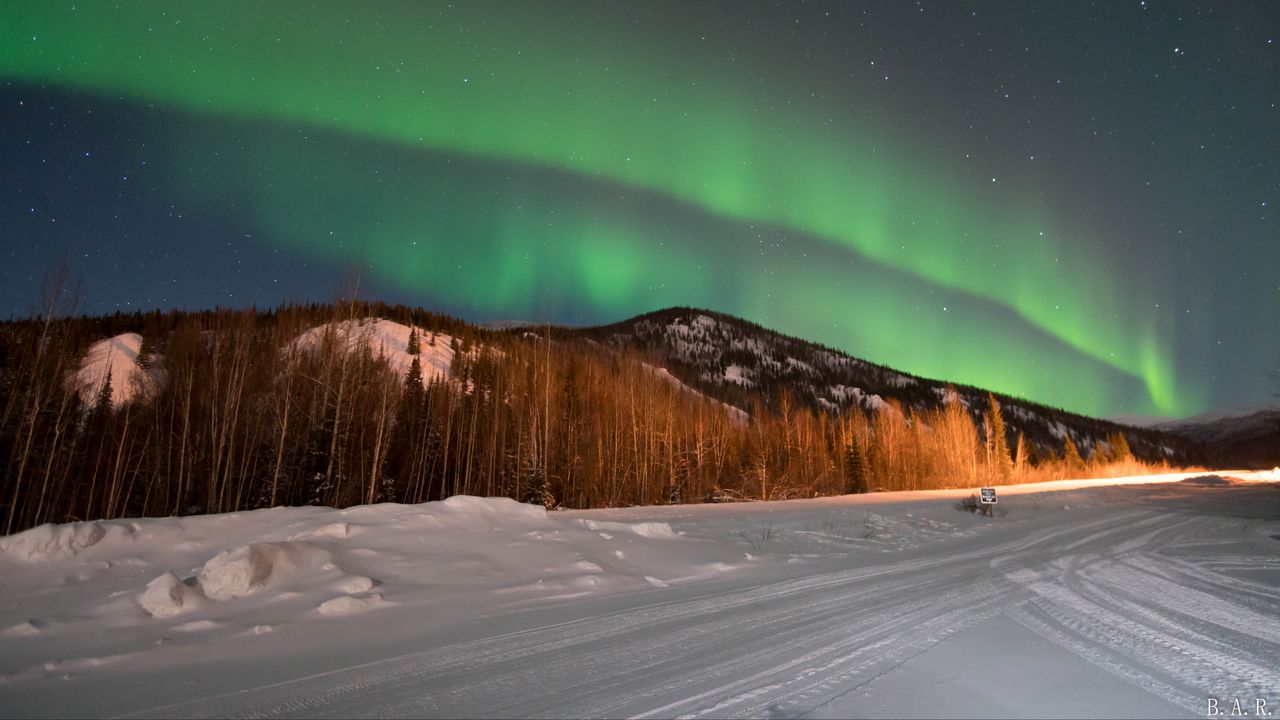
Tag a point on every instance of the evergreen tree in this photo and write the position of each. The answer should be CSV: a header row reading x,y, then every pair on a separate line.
x,y
413,379
102,404
413,348
855,467
146,352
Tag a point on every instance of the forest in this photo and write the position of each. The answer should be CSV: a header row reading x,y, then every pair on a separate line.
x,y
231,411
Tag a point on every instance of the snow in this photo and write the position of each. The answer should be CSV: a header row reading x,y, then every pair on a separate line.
x,y
56,542
899,380
737,374
1137,597
737,414
389,340
117,356
167,596
870,401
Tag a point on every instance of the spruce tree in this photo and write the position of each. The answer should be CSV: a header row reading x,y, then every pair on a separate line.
x,y
855,467
413,379
413,348
102,405
146,352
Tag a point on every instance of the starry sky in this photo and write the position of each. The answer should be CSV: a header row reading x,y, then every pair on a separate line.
x,y
1072,202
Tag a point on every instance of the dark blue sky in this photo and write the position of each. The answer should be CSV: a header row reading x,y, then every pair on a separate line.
x,y
1140,138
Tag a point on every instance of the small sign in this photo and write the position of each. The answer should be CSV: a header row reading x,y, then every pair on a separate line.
x,y
988,496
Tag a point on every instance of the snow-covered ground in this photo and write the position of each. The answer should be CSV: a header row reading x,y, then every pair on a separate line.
x,y
1115,598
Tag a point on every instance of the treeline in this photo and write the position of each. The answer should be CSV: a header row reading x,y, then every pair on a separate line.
x,y
235,414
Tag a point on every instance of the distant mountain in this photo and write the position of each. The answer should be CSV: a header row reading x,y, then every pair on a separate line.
x,y
1247,436
1140,421
741,363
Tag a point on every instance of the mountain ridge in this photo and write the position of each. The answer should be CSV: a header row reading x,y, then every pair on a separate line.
x,y
726,357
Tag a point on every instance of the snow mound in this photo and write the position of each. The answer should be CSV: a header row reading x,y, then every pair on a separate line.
x,y
356,584
59,542
653,530
348,605
332,530
468,511
643,529
246,570
167,596
1212,481
198,626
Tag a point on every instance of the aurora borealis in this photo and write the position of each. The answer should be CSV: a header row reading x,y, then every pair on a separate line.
x,y
1069,203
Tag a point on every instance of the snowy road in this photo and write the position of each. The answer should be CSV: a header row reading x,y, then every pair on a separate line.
x,y
1140,601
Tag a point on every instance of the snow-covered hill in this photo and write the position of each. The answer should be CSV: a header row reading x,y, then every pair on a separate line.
x,y
1244,435
740,363
116,357
388,340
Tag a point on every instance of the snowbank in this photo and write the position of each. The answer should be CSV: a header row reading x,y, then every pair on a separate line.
x,y
56,542
248,569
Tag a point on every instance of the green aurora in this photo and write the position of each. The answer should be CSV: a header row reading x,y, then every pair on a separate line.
x,y
846,234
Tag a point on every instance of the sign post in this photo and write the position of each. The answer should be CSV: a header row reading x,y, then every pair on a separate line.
x,y
987,499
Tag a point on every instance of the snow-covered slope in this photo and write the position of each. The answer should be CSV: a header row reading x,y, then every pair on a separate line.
x,y
726,351
389,340
733,412
1219,418
1244,435
117,356
1080,598
739,363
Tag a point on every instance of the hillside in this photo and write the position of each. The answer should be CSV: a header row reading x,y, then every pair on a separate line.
x,y
1245,438
362,403
741,363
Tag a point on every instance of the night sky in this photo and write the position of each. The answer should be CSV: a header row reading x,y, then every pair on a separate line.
x,y
1066,201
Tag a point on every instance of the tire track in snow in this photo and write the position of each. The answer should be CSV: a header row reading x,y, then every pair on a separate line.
x,y
332,686
790,646
1157,638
